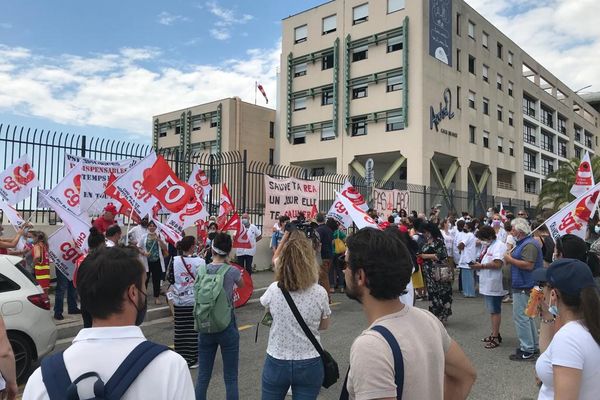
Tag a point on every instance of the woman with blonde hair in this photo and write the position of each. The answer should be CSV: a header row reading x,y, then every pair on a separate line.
x,y
292,360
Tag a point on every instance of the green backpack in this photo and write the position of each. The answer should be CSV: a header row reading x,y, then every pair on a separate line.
x,y
212,311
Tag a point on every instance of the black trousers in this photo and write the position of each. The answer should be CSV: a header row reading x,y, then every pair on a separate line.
x,y
246,262
154,272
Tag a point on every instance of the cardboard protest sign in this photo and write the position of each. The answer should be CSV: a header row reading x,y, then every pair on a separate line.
x,y
288,197
384,201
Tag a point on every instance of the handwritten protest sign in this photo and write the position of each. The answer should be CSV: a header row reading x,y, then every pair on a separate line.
x,y
384,201
288,197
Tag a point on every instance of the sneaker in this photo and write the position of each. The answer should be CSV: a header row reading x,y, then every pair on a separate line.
x,y
522,356
194,366
507,299
58,317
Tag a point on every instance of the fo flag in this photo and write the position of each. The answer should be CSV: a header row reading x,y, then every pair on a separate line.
x,y
225,207
17,180
163,183
63,252
233,224
338,211
584,177
242,239
13,215
357,214
573,218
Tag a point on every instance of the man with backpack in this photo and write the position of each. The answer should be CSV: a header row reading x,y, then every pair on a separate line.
x,y
112,359
406,352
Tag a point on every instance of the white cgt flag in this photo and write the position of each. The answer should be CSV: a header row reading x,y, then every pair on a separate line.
x,y
338,211
63,251
67,192
130,186
360,218
573,218
17,181
13,215
584,177
78,225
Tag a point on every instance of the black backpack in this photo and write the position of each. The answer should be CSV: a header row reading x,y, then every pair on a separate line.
x,y
59,385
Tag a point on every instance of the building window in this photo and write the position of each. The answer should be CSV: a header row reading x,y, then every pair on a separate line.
x,y
177,129
327,61
588,140
511,148
547,166
300,34
530,186
359,92
196,124
458,96
562,148
162,131
562,125
471,30
458,24
529,106
500,145
300,137
300,104
360,14
394,122
471,134
510,88
486,106
546,142
485,39
547,116
360,53
395,5
319,171
300,70
577,152
329,24
327,133
499,82
499,50
486,139
327,96
511,118
529,162
458,60
271,130
472,99
471,64
578,131
510,58
484,73
271,156
359,126
395,83
500,114
214,121
394,44
528,133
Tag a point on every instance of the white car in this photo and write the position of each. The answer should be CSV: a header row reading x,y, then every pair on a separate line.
x,y
26,312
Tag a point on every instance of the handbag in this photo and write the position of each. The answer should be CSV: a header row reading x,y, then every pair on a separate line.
x,y
332,372
339,247
442,272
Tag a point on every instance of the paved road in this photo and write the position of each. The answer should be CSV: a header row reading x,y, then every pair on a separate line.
x,y
498,377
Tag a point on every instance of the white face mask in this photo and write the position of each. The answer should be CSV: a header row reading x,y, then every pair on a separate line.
x,y
597,229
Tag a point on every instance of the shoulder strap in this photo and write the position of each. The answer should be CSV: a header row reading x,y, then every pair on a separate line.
x,y
187,268
301,322
131,368
398,361
55,376
223,269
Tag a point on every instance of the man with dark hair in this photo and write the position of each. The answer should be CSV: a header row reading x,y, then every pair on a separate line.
x,y
326,238
112,290
378,270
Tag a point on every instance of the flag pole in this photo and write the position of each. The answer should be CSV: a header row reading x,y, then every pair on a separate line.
x,y
255,91
129,226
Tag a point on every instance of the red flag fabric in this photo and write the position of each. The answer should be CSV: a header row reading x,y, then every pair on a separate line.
x,y
262,90
112,192
241,240
201,233
233,224
163,183
241,295
226,206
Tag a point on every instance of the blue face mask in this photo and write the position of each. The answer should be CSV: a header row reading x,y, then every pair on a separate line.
x,y
597,229
29,240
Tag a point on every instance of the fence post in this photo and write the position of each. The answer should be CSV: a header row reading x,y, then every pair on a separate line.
x,y
244,177
83,145
424,199
211,174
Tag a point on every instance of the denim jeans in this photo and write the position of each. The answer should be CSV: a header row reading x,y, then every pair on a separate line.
x,y
64,284
468,282
525,326
304,376
229,341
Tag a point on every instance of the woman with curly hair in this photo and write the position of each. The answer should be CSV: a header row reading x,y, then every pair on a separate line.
x,y
440,293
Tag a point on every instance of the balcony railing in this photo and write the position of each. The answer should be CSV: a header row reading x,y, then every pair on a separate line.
x,y
530,190
505,185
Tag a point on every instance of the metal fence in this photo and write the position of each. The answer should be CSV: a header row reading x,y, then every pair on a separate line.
x,y
244,178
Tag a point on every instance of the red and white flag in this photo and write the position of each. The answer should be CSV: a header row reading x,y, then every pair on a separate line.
x,y
573,218
131,189
349,192
262,90
163,183
169,233
189,216
17,181
13,215
225,207
233,224
78,225
584,177
125,209
201,232
357,214
242,238
67,192
63,252
199,181
502,212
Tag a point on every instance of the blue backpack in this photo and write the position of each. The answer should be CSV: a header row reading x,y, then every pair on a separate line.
x,y
59,385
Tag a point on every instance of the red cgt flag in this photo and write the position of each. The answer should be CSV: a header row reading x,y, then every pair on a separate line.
x,y
163,183
226,206
233,224
242,240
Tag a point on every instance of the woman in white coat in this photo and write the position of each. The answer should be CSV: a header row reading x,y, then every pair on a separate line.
x,y
152,247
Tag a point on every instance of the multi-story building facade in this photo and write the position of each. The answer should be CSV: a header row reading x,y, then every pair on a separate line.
x,y
219,126
431,91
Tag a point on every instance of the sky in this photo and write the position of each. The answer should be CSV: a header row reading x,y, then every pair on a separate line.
x,y
104,68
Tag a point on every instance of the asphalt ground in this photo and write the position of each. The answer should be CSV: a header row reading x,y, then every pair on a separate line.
x,y
498,377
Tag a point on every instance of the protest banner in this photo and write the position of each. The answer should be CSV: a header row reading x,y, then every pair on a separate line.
x,y
384,201
63,252
17,181
289,196
573,218
355,197
95,178
189,216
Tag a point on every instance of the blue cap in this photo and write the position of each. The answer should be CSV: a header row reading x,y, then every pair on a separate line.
x,y
568,275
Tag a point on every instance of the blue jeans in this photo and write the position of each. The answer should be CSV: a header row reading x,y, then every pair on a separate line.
x,y
64,284
229,341
525,326
468,282
304,376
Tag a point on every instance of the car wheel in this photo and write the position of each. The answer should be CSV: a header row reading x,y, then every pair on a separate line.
x,y
23,354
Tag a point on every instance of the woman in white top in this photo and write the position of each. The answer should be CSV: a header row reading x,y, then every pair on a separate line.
x,y
289,349
184,271
490,280
152,246
448,235
568,367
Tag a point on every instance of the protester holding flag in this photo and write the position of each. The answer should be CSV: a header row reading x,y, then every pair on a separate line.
x,y
152,247
41,262
6,244
107,219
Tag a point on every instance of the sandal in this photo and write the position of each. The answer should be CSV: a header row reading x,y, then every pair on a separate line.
x,y
492,343
492,338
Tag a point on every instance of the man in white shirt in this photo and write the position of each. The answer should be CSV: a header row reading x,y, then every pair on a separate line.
x,y
245,256
378,270
111,286
138,232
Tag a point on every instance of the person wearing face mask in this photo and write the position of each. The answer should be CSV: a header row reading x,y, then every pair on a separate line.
x,y
137,232
6,244
466,244
498,226
24,249
211,233
569,333
153,248
111,287
245,257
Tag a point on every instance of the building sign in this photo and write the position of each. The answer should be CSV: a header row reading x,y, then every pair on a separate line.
x,y
440,30
445,111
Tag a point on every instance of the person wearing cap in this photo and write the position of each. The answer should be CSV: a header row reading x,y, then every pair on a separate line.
x,y
524,259
107,219
570,332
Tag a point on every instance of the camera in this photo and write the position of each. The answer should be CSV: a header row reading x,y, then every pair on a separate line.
x,y
305,227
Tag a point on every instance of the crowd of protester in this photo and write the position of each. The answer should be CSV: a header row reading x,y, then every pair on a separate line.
x,y
413,257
